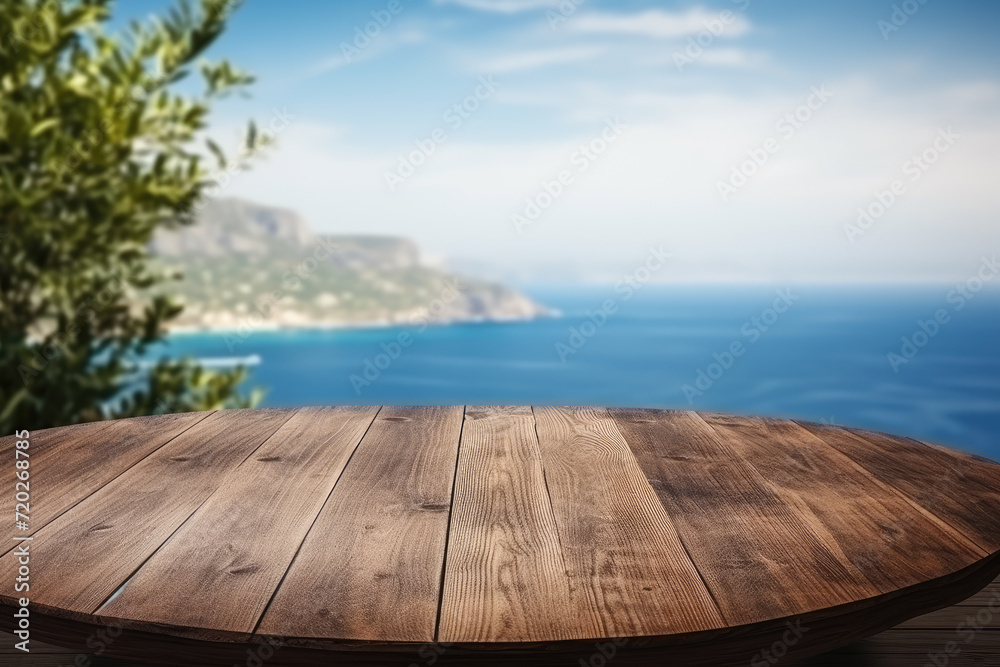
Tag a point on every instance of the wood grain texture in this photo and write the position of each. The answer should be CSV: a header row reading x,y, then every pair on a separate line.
x,y
760,558
736,647
83,556
494,535
870,523
370,568
625,563
51,438
960,490
70,464
904,646
281,487
505,577
42,442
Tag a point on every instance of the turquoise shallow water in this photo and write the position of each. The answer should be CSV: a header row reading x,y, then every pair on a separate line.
x,y
824,358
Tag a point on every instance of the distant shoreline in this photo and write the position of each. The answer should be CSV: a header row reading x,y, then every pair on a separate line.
x,y
340,325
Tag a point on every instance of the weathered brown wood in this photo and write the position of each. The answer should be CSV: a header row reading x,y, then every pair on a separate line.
x,y
283,484
505,577
41,442
812,633
903,646
760,558
962,491
871,524
73,463
500,535
370,567
964,458
82,557
625,563
46,438
737,647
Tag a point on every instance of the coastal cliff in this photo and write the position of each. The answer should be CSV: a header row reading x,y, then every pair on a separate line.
x,y
247,264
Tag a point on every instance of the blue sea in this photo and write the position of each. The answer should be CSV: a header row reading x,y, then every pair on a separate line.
x,y
918,361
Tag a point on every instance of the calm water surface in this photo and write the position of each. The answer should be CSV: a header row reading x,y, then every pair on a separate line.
x,y
824,358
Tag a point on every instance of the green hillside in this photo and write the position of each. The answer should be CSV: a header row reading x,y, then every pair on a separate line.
x,y
250,265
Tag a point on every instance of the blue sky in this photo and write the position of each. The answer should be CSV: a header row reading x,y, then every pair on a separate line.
x,y
676,173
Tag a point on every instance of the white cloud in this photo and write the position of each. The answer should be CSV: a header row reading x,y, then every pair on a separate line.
x,y
540,58
732,58
657,185
662,24
502,6
349,53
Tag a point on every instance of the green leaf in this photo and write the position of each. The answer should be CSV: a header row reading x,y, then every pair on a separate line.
x,y
88,173
44,125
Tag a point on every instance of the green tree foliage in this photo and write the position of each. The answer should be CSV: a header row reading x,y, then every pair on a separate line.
x,y
98,149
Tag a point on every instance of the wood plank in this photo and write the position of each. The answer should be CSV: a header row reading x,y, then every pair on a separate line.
x,y
505,577
42,442
566,524
983,615
963,492
370,567
878,531
226,552
50,438
984,596
963,456
8,640
760,559
79,559
69,465
929,651
917,644
48,655
65,659
626,564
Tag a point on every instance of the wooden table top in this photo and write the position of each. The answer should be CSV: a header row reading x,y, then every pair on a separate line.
x,y
475,531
